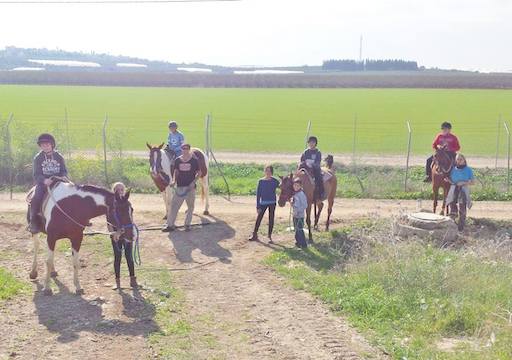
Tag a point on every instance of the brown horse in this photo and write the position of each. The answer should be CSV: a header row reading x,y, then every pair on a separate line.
x,y
308,186
67,212
441,168
160,164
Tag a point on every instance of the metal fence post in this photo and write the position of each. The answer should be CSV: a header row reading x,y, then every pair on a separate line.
x,y
66,120
8,145
408,155
508,154
308,131
105,149
498,142
354,141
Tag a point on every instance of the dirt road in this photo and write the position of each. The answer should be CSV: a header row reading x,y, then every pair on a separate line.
x,y
234,306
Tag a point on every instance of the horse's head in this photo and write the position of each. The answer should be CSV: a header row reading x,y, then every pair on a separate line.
x,y
329,161
121,216
442,159
155,158
286,188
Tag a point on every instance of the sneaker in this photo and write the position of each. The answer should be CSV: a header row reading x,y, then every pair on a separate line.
x,y
253,237
169,228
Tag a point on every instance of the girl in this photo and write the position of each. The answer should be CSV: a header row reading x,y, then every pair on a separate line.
x,y
120,190
461,177
266,199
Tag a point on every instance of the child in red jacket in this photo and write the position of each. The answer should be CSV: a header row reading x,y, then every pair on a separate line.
x,y
444,140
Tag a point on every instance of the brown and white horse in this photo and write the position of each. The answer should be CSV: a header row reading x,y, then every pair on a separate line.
x,y
160,164
330,186
441,168
67,212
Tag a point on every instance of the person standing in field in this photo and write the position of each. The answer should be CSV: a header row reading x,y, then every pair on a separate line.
x,y
175,140
311,158
266,200
299,205
459,196
444,140
47,164
186,172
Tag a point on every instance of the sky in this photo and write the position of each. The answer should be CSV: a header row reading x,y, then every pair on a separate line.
x,y
462,34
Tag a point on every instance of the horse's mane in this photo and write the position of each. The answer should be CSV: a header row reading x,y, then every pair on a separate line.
x,y
96,190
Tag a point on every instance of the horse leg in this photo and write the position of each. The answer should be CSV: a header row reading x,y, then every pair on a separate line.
x,y
317,215
308,221
444,209
329,212
75,248
206,193
49,266
33,272
435,190
165,195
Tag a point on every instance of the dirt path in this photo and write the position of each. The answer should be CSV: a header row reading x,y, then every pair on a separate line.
x,y
236,307
232,157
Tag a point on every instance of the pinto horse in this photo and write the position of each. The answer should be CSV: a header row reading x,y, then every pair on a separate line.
x,y
160,164
441,168
67,212
308,186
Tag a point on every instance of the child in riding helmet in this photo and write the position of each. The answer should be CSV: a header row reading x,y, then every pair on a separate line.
x,y
119,190
47,163
312,158
175,139
444,140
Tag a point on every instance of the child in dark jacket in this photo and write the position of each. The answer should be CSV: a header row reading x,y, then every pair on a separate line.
x,y
47,163
312,158
266,199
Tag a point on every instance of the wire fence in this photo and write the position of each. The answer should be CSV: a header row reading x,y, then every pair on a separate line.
x,y
103,147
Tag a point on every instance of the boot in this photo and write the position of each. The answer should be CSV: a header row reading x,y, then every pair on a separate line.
x,y
117,286
253,237
133,282
35,225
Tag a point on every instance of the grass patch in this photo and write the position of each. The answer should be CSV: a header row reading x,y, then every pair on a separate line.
x,y
10,286
409,296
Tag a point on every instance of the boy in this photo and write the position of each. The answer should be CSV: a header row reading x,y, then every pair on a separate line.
x,y
266,199
299,205
445,139
47,163
311,158
175,139
186,172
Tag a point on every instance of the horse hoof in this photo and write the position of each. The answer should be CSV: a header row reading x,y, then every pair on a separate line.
x,y
48,292
206,212
54,274
164,218
79,292
33,275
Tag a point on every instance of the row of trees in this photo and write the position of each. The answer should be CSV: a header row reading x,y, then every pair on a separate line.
x,y
370,65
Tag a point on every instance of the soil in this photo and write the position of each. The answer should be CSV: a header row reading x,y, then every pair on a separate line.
x,y
251,312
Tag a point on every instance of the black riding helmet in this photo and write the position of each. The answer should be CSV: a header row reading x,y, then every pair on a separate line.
x,y
314,139
173,124
446,125
46,138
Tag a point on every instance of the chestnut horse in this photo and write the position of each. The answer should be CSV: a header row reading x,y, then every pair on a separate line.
x,y
308,185
441,168
67,212
160,163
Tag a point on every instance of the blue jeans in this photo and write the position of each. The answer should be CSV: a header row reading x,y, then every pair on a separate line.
x,y
300,238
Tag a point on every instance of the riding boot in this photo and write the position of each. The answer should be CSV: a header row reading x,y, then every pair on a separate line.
x,y
253,237
133,282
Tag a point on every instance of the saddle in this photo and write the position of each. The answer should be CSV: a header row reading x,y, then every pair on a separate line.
x,y
30,195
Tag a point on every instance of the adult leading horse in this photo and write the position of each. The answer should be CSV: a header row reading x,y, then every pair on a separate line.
x,y
441,168
308,185
67,212
160,164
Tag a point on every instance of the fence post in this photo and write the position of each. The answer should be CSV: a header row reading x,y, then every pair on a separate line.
x,y
217,165
308,131
105,149
8,146
508,154
497,142
66,121
408,155
354,141
207,134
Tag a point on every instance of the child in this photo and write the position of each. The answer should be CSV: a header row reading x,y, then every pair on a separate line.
x,y
444,140
299,204
266,199
311,158
175,139
461,177
47,163
120,190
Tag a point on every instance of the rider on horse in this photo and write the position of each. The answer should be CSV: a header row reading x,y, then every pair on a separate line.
x,y
444,140
47,163
175,140
310,160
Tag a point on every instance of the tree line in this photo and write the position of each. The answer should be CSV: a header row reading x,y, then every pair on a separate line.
x,y
369,65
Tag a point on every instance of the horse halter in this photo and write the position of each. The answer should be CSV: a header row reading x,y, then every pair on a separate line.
x,y
118,227
449,160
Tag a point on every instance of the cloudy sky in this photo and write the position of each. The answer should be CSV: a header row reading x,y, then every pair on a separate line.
x,y
463,34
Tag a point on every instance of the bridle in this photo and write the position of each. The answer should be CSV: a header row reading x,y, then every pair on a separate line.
x,y
441,167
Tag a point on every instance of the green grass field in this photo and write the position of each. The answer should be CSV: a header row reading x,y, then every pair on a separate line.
x,y
265,119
